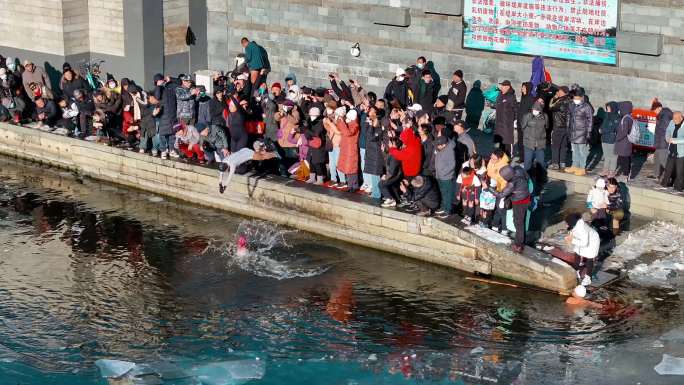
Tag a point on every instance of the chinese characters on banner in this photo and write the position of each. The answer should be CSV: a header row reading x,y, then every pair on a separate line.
x,y
581,30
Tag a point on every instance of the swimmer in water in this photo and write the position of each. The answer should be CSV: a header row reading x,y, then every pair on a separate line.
x,y
577,299
242,249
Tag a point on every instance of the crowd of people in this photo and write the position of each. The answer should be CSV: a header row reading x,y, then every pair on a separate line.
x,y
408,147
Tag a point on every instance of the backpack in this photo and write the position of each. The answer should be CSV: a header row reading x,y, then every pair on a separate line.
x,y
634,135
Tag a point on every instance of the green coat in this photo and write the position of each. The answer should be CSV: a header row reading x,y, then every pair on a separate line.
x,y
255,56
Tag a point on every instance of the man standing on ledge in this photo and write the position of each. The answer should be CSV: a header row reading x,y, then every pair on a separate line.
x,y
506,115
256,58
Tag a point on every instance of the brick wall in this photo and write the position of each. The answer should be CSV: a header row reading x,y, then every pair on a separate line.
x,y
36,24
176,20
313,37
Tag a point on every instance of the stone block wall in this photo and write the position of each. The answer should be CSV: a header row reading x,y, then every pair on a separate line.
x,y
176,21
313,37
75,16
106,28
36,24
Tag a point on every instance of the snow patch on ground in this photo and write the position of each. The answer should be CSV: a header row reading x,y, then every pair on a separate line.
x,y
489,235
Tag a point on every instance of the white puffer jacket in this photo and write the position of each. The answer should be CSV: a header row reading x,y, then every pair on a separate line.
x,y
585,240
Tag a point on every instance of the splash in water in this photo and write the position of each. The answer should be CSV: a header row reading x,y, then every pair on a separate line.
x,y
261,249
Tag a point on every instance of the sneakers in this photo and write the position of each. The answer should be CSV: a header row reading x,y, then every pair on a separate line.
x,y
155,152
518,248
581,172
319,181
424,213
442,215
505,233
164,155
466,221
495,229
586,281
174,154
389,203
571,170
483,225
554,167
440,211
334,185
142,151
222,188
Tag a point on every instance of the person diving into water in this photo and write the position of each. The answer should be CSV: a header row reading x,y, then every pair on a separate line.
x,y
230,163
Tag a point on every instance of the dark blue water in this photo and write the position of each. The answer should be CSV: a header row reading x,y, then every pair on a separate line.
x,y
90,271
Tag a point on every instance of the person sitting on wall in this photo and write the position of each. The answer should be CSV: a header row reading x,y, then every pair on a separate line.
x,y
46,112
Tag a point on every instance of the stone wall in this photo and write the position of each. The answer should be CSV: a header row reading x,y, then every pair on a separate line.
x,y
106,27
310,208
313,37
176,21
36,24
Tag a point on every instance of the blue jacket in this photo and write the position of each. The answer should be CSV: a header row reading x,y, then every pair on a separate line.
x,y
679,140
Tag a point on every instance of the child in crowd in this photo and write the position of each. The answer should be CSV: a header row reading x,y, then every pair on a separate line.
x,y
487,204
468,193
597,200
445,165
476,162
616,206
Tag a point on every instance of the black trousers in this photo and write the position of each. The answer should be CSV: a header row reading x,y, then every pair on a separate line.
x,y
559,147
624,166
519,216
499,218
390,190
674,173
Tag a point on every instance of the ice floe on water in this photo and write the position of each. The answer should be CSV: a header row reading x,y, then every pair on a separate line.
x,y
168,372
267,254
652,256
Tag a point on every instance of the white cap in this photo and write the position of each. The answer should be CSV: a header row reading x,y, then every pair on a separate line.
x,y
314,111
580,291
243,76
340,111
351,115
415,107
400,72
600,183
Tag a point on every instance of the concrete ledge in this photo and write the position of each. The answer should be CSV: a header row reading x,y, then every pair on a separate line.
x,y
640,43
310,208
445,7
399,17
641,201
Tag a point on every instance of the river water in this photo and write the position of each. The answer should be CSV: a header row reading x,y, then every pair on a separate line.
x,y
91,271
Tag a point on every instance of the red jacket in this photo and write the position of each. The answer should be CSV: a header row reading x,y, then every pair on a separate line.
x,y
410,155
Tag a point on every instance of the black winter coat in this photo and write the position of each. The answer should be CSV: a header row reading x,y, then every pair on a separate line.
x,y
506,114
580,123
560,110
427,194
664,119
457,94
394,172
623,147
517,188
75,84
167,119
425,94
428,167
216,108
238,133
397,90
374,160
316,130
